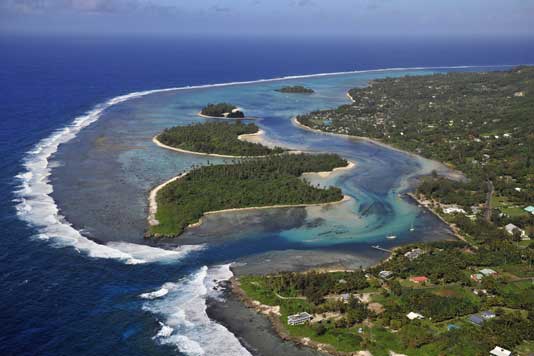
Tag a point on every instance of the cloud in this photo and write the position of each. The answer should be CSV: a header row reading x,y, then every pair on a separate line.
x,y
304,3
82,6
219,8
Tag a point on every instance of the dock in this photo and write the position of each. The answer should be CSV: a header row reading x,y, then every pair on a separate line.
x,y
377,247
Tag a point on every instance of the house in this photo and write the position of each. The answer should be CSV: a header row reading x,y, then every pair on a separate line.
x,y
413,254
499,351
510,228
385,274
298,319
517,189
477,277
487,272
487,315
453,209
476,319
530,209
418,279
413,316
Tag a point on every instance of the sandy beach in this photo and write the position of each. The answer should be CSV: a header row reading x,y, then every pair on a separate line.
x,y
327,174
225,118
162,145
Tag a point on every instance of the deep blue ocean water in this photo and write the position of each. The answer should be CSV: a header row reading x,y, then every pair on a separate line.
x,y
56,301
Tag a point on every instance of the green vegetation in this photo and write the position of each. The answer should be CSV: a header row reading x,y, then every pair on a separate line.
x,y
295,89
273,180
216,138
222,110
479,123
373,310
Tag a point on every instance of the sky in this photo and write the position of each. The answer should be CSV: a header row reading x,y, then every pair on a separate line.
x,y
269,17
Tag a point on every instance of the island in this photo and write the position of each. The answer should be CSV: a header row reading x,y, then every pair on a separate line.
x,y
273,181
216,138
469,296
222,110
295,89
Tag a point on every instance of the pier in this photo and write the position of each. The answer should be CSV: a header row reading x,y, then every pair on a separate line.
x,y
377,247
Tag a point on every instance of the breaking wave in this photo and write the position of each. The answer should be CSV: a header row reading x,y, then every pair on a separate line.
x,y
37,207
184,322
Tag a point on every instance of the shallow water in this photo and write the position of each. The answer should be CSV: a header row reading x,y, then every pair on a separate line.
x,y
106,164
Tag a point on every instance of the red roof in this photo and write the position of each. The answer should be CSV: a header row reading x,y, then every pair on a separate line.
x,y
419,279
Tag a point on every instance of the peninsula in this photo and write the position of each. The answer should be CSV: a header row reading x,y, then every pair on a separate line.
x,y
273,181
442,298
216,138
295,89
222,110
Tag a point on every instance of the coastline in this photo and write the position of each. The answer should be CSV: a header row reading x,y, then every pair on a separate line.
x,y
153,204
453,227
451,174
162,145
273,314
152,201
280,206
200,114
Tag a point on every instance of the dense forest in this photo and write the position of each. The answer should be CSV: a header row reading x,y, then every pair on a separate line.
x,y
216,138
222,110
274,180
295,89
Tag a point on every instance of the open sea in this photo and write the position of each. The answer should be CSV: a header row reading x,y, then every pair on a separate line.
x,y
76,120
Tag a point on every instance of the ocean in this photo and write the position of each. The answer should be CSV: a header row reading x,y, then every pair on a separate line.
x,y
72,295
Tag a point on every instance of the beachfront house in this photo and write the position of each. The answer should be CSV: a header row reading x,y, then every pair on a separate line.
x,y
413,254
419,279
413,316
487,272
453,209
385,274
499,351
510,228
476,319
299,319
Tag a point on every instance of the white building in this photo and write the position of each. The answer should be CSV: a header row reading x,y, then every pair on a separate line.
x,y
385,274
453,209
510,228
486,272
298,319
499,351
413,254
413,316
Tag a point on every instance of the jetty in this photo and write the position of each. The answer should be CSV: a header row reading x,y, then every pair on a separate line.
x,y
377,247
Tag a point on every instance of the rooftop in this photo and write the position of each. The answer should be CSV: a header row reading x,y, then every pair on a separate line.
x,y
499,351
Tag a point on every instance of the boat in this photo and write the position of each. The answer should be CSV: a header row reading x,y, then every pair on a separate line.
x,y
391,237
412,228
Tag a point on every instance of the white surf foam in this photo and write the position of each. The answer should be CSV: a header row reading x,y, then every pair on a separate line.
x,y
163,291
185,323
36,206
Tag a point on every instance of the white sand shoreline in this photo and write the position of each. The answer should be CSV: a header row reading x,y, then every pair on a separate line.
x,y
240,137
225,118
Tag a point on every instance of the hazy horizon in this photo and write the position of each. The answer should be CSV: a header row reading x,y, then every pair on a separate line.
x,y
304,18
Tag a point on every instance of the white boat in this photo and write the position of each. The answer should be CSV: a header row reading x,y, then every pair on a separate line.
x,y
412,228
391,237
